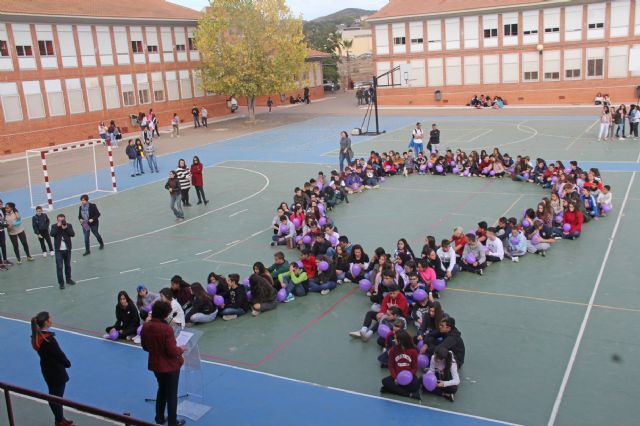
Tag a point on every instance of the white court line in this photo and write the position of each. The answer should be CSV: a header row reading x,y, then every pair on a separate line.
x,y
88,279
479,136
203,252
38,288
509,208
244,265
520,126
583,326
235,243
130,270
237,213
168,261
393,401
580,135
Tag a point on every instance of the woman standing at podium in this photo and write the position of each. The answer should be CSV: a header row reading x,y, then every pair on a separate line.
x,y
165,360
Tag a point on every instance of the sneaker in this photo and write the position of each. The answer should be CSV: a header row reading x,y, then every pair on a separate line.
x,y
229,317
206,202
366,336
61,286
356,334
339,282
480,271
8,263
19,261
129,338
415,395
557,237
290,298
71,282
44,254
255,313
448,396
137,340
52,253
105,336
543,253
199,202
86,253
346,280
102,246
515,259
30,259
325,292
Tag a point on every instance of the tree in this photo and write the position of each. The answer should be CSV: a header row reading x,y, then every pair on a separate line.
x,y
250,48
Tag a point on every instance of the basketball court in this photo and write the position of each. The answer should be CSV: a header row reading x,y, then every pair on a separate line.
x,y
549,340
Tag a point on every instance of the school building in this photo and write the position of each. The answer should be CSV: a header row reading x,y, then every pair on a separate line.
x,y
526,51
66,65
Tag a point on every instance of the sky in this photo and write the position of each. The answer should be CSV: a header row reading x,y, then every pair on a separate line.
x,y
310,9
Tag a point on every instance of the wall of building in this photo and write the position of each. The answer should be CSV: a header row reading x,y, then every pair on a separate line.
x,y
362,41
586,48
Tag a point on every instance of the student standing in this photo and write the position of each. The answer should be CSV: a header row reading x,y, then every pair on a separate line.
x,y
195,112
150,153
89,215
131,155
40,223
269,103
417,139
4,262
203,114
196,179
62,232
175,123
165,360
184,176
346,153
53,362
16,231
434,139
605,122
173,186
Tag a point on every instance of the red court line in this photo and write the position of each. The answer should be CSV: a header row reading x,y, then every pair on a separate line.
x,y
304,329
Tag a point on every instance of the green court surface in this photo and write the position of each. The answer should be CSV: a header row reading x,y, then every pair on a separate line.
x,y
520,322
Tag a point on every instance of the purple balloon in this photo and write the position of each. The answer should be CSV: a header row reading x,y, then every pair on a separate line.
x,y
420,345
439,284
212,289
381,178
452,163
356,269
306,239
554,179
566,227
492,173
322,221
606,208
455,170
470,258
114,334
429,164
567,170
296,223
245,282
284,229
298,238
321,208
249,296
526,223
514,241
485,171
319,185
323,266
139,330
282,295
404,377
148,307
419,295
439,168
423,360
299,263
465,173
364,284
525,175
383,331
423,167
218,300
558,218
399,269
333,240
430,381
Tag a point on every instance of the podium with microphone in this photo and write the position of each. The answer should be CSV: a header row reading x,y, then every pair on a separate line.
x,y
192,383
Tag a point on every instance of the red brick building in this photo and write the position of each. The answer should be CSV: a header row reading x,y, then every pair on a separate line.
x,y
526,51
66,65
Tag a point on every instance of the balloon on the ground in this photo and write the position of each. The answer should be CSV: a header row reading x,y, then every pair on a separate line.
x,y
323,266
114,334
383,331
282,295
430,381
439,284
423,361
364,284
404,377
465,173
218,300
439,168
455,170
212,289
419,295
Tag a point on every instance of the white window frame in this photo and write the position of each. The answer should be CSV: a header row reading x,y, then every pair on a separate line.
x,y
418,73
87,49
595,54
530,67
435,71
530,26
157,82
471,32
74,93
573,23
67,43
472,70
416,36
490,30
453,70
399,37
143,88
382,39
434,35
595,20
127,91
452,33
33,91
619,19
173,86
510,26
618,62
53,89
185,84
105,49
111,92
636,21
94,94
491,69
510,68
552,25
122,45
382,68
11,103
166,39
551,65
573,62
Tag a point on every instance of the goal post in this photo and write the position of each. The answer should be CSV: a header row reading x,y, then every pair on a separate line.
x,y
69,170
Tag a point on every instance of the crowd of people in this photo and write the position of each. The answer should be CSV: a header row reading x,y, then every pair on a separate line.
x,y
613,122
486,102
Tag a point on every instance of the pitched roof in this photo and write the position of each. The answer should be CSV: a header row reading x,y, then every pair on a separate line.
x,y
128,9
407,8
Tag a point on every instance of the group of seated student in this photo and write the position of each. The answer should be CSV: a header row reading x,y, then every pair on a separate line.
x,y
403,284
485,102
296,100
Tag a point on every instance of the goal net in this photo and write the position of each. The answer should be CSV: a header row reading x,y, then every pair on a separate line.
x,y
63,172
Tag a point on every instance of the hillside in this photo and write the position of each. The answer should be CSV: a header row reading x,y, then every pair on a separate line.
x,y
344,16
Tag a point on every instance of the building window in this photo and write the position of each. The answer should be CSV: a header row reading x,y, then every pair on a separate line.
x,y
94,95
595,20
551,65
382,39
192,44
24,51
55,97
493,32
531,75
471,32
417,40
180,48
596,25
572,74
399,37
128,98
573,64
152,49
136,46
75,95
4,48
595,67
434,35
399,41
46,48
510,68
158,95
510,30
530,66
618,63
10,100
143,94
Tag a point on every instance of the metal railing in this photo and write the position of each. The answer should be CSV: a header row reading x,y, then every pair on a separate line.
x,y
125,418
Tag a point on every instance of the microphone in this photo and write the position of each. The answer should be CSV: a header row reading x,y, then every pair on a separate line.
x,y
173,316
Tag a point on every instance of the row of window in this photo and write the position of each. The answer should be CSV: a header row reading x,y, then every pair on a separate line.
x,y
466,32
569,64
162,45
125,90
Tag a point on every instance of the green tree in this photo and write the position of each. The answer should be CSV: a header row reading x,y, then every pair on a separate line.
x,y
250,48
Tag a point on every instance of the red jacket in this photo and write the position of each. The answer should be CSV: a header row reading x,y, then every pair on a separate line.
x,y
400,360
196,174
459,243
575,219
158,339
400,302
309,266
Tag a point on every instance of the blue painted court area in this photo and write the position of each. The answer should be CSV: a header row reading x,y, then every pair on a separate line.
x,y
114,376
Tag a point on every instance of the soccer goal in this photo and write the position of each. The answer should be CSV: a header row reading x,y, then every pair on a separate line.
x,y
68,171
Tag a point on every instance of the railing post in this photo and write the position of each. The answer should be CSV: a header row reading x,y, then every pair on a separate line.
x,y
7,399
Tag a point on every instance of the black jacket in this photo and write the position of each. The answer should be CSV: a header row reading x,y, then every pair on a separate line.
x,y
236,298
53,362
127,319
202,306
59,234
40,223
451,340
434,136
131,152
262,291
324,277
93,214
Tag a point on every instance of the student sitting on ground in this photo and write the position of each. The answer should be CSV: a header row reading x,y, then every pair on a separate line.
x,y
127,318
263,295
477,250
388,342
447,256
537,243
145,301
202,308
280,266
605,199
181,291
431,322
574,218
447,336
458,240
402,356
324,281
295,281
494,248
444,366
285,234
516,246
373,318
176,318
235,301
